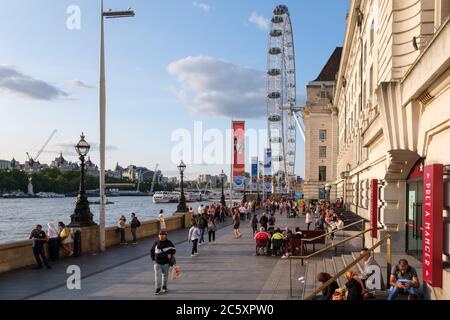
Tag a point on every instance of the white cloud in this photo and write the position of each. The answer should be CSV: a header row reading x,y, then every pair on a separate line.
x,y
79,83
260,21
221,88
202,6
22,85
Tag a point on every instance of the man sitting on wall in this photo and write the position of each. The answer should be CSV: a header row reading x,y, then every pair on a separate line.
x,y
403,279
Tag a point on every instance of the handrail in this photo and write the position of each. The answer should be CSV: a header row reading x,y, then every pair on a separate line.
x,y
331,246
320,251
328,233
336,276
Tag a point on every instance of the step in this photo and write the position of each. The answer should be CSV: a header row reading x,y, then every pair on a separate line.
x,y
338,266
359,265
310,278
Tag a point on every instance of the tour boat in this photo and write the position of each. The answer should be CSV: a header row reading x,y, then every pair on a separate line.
x,y
166,197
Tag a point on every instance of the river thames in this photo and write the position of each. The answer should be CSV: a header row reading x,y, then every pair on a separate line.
x,y
19,216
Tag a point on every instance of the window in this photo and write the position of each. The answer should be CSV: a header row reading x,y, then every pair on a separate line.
x,y
323,134
322,152
322,173
371,82
372,33
365,53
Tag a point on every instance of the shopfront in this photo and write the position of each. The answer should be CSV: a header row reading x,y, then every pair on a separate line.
x,y
414,212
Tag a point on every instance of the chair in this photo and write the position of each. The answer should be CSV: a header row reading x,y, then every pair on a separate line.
x,y
277,245
294,244
262,244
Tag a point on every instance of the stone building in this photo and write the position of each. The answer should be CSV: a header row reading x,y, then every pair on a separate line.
x,y
393,97
321,128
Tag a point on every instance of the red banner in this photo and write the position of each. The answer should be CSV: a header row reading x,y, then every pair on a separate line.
x,y
432,243
238,155
374,208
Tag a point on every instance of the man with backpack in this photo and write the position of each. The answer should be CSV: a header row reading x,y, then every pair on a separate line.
x,y
162,254
134,224
263,221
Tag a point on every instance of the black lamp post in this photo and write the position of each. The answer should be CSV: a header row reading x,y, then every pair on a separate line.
x,y
244,198
222,197
182,205
82,216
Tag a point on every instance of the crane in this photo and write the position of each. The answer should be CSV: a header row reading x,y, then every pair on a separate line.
x,y
32,160
154,178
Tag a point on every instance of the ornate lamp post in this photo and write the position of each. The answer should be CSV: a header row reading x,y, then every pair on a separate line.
x,y
182,205
222,197
82,216
244,198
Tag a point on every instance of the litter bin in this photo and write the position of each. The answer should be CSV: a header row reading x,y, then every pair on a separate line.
x,y
77,243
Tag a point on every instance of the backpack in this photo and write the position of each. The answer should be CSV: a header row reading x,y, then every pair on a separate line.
x,y
211,226
138,223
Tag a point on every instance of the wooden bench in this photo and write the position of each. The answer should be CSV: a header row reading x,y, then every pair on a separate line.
x,y
310,234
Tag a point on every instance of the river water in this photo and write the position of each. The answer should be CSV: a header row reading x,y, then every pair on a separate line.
x,y
19,216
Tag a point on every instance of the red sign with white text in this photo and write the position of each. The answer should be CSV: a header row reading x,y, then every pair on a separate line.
x,y
374,208
432,241
238,155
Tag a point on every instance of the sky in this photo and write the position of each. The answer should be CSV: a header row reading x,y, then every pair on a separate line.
x,y
177,65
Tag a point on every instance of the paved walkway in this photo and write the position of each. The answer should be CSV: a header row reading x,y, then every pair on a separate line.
x,y
227,269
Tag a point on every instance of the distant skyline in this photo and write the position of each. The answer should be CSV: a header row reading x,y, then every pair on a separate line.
x,y
174,64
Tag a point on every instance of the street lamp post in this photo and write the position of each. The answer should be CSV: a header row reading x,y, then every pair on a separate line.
x,y
222,197
182,205
102,100
82,216
244,198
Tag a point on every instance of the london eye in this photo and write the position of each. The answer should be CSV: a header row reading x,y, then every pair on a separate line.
x,y
281,98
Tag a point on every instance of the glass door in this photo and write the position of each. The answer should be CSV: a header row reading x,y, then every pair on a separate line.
x,y
414,219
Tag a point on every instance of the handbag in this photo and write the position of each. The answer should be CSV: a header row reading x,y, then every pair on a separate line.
x,y
172,260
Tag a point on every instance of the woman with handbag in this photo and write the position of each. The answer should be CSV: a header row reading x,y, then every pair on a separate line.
x,y
66,239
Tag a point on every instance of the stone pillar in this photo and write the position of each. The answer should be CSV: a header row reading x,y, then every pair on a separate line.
x,y
90,239
393,212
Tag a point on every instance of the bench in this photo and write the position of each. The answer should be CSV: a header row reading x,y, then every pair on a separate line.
x,y
310,234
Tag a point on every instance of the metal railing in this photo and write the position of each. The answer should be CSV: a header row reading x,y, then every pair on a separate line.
x,y
386,239
334,245
302,241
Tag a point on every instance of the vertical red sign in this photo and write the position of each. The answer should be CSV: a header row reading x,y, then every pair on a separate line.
x,y
374,208
238,155
432,241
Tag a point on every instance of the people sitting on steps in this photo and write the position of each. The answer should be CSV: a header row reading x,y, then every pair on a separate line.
x,y
404,280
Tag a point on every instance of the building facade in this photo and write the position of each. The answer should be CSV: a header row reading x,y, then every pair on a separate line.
x,y
393,97
5,164
321,131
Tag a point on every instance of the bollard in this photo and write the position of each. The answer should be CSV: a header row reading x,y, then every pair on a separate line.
x,y
77,250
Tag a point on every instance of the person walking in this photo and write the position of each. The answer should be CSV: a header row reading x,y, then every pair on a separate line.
x,y
212,230
134,224
39,239
237,224
264,221
162,221
194,236
203,225
66,239
161,254
53,242
309,219
255,224
121,228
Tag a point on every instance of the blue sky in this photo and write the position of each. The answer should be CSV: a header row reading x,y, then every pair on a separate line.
x,y
205,43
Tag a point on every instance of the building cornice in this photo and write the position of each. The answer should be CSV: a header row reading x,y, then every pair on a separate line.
x,y
350,31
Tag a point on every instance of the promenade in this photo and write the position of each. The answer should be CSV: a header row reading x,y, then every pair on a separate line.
x,y
227,269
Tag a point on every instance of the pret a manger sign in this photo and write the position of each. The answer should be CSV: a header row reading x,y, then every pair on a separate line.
x,y
432,239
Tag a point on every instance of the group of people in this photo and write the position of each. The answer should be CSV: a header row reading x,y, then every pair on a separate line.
x,y
58,237
276,242
403,279
134,225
